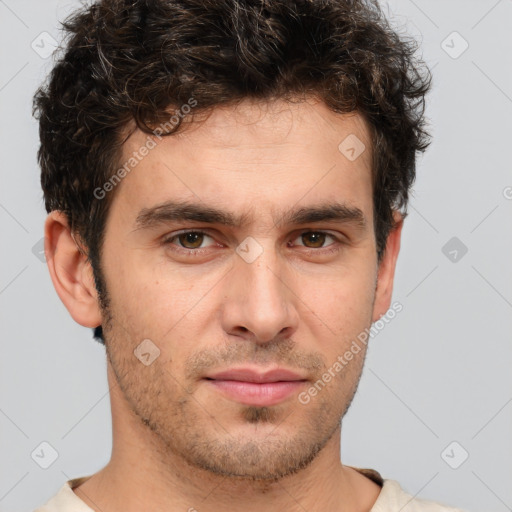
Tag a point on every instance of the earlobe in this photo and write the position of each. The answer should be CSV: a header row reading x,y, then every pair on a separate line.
x,y
386,272
70,271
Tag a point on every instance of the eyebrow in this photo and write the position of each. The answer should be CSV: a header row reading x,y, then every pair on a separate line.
x,y
172,211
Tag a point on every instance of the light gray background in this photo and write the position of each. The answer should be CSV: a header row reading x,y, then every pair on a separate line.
x,y
440,372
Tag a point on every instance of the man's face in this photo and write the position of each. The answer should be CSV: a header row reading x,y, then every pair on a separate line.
x,y
269,292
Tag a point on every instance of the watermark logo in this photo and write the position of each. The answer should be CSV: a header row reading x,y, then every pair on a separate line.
x,y
38,250
352,147
44,45
249,250
454,45
454,249
44,455
146,352
454,455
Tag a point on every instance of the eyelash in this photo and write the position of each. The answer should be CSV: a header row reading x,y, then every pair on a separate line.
x,y
332,248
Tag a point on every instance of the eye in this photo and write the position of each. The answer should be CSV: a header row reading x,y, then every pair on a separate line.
x,y
315,239
194,242
188,239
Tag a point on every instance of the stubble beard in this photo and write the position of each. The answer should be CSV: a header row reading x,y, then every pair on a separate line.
x,y
182,427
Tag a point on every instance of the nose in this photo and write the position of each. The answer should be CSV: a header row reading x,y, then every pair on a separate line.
x,y
259,303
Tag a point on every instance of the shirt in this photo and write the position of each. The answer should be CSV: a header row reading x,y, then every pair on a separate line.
x,y
392,498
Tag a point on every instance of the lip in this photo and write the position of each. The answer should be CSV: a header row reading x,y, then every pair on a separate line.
x,y
252,387
251,375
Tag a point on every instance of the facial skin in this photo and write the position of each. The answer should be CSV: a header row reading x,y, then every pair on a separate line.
x,y
299,305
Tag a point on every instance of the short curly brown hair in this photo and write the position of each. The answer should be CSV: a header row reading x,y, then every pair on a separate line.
x,y
127,62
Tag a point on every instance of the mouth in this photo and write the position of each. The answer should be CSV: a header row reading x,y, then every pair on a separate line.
x,y
252,387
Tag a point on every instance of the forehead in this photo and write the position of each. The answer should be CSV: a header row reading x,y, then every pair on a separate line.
x,y
267,126
253,154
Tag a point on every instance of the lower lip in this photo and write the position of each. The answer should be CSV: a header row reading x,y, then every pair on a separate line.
x,y
254,393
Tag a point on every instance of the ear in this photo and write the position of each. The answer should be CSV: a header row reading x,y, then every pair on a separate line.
x,y
386,272
71,274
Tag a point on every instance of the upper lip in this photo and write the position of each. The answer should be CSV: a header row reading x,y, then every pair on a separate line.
x,y
251,375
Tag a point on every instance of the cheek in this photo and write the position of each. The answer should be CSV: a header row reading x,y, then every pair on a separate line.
x,y
338,311
341,298
157,303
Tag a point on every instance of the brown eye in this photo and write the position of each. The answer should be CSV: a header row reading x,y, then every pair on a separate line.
x,y
313,239
191,239
190,244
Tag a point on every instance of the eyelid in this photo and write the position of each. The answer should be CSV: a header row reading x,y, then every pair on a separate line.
x,y
167,240
304,231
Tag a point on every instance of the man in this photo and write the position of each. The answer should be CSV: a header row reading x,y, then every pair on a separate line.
x,y
226,183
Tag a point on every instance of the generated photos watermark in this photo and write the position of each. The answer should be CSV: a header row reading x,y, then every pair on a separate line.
x,y
143,151
343,359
